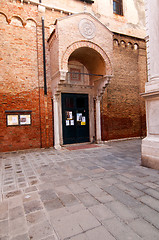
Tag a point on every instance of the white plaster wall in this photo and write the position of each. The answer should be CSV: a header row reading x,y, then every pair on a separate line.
x,y
132,23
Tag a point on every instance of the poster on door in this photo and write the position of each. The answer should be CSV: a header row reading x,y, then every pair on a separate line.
x,y
68,115
69,118
83,122
79,117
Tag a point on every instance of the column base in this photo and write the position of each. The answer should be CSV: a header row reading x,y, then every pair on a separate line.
x,y
57,147
150,152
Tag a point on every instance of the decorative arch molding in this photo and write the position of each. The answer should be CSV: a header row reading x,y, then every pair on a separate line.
x,y
70,49
30,22
6,18
17,20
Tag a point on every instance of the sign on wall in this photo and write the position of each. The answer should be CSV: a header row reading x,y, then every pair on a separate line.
x,y
18,119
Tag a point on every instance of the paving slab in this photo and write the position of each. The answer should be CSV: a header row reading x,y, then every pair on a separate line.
x,y
84,194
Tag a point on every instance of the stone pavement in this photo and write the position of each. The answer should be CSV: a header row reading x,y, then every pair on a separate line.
x,y
91,194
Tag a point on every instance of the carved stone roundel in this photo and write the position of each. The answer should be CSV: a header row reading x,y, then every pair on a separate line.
x,y
87,28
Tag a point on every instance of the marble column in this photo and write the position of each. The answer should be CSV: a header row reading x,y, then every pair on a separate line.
x,y
56,122
150,145
98,121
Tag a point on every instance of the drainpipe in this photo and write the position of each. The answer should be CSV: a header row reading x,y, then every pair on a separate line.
x,y
44,58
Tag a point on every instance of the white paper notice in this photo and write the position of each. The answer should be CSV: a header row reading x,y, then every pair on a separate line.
x,y
67,123
14,120
72,122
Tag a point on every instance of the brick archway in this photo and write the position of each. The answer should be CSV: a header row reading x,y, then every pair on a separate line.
x,y
70,49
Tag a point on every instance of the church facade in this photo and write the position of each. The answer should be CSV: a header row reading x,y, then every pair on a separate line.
x,y
71,72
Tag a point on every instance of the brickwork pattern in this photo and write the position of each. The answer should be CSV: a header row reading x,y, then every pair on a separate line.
x,y
123,109
21,78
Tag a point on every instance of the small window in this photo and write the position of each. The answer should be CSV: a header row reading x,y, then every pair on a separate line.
x,y
118,7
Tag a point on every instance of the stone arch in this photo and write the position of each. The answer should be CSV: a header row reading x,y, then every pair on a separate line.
x,y
17,21
3,17
70,49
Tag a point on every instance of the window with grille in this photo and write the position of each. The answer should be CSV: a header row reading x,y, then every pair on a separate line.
x,y
118,7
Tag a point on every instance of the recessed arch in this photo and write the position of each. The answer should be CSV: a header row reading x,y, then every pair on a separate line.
x,y
129,45
116,42
136,46
123,44
92,47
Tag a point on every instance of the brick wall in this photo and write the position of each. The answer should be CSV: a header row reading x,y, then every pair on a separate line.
x,y
21,81
123,109
21,78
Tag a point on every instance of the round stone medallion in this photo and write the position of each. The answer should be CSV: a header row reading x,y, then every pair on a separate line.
x,y
87,28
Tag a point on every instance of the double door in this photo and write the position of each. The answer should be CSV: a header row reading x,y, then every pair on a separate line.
x,y
75,118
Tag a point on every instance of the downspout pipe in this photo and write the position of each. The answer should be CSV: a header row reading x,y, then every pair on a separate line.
x,y
44,55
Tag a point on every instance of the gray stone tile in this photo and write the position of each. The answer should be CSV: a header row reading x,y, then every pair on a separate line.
x,y
144,229
75,208
52,237
15,202
148,214
99,233
62,190
40,230
152,192
151,202
17,226
66,226
58,213
122,211
76,188
122,196
87,199
79,237
16,212
30,197
21,237
69,200
35,217
3,211
53,204
47,195
120,230
32,206
132,191
4,229
139,186
101,212
86,220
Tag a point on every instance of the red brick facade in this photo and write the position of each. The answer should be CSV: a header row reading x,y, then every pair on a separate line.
x,y
21,81
123,109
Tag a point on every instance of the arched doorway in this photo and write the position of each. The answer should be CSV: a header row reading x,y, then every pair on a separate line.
x,y
86,69
80,70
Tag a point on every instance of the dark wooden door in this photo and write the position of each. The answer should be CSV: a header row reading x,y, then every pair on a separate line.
x,y
75,118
